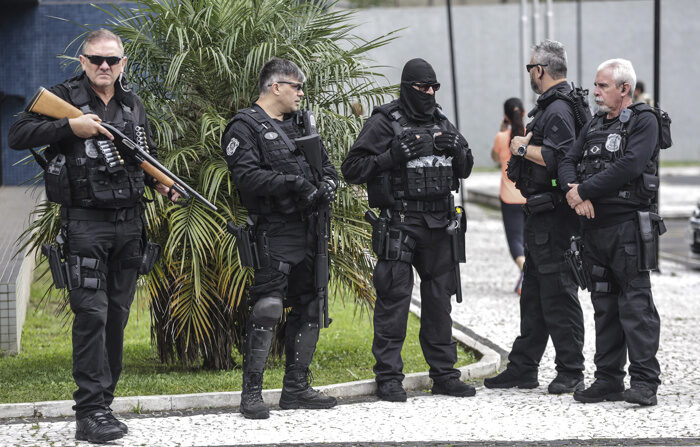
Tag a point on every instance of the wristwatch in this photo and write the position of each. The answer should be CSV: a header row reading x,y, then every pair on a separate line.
x,y
522,150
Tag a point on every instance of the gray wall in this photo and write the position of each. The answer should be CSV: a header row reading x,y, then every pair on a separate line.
x,y
489,68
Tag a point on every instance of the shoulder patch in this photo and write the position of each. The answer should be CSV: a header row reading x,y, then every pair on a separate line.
x,y
232,146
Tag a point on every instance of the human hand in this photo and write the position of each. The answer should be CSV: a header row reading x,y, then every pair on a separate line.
x,y
585,208
87,126
518,141
167,192
326,193
307,193
572,197
410,145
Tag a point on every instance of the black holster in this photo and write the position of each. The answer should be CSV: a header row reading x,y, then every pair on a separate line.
x,y
389,244
59,268
651,226
575,262
246,243
151,253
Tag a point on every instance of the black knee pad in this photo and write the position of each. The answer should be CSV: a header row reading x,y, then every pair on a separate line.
x,y
266,311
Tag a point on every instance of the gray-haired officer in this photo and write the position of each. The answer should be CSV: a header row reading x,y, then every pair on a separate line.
x,y
611,179
276,185
549,303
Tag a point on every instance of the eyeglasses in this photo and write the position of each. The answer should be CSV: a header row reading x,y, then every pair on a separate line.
x,y
99,60
295,85
425,87
529,67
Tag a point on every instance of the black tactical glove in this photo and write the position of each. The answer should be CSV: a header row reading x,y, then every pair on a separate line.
x,y
410,145
306,192
449,143
326,192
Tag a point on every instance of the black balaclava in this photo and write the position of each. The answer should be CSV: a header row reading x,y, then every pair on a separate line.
x,y
418,106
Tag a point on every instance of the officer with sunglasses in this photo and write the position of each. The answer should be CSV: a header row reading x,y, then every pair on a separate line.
x,y
549,305
411,158
279,190
101,219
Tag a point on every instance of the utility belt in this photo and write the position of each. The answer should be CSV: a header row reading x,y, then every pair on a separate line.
x,y
389,244
422,205
100,214
543,202
253,248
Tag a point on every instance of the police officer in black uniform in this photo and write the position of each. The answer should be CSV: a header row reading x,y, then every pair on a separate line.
x,y
412,158
101,220
612,180
549,303
276,185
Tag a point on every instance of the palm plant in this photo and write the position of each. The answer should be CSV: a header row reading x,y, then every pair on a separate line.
x,y
195,63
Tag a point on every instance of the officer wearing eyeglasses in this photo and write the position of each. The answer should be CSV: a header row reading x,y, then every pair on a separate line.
x,y
549,303
278,188
411,158
101,219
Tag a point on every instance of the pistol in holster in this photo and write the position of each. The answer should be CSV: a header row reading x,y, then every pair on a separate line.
x,y
246,243
151,254
651,226
574,260
389,244
63,275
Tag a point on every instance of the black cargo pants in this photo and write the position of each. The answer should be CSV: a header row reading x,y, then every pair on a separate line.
x,y
101,307
626,320
393,281
549,304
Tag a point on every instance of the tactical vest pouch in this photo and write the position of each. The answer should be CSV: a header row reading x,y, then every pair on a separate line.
x,y
438,181
665,140
57,181
151,253
379,191
540,203
651,226
246,244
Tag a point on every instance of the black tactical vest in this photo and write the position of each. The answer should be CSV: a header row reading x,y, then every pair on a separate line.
x,y
82,174
421,184
275,155
603,145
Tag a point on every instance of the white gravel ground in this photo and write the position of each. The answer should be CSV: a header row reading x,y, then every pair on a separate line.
x,y
490,309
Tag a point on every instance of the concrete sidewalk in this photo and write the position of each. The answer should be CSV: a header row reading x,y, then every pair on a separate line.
x,y
490,309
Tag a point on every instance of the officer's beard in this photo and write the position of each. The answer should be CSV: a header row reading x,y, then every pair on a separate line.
x,y
600,107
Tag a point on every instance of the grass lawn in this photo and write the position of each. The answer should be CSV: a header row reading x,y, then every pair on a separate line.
x,y
42,371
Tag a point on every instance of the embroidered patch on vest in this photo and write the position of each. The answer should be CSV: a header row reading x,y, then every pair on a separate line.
x,y
232,146
90,149
271,136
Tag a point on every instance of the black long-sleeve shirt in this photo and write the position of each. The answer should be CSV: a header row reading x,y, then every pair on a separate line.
x,y
370,154
248,171
641,143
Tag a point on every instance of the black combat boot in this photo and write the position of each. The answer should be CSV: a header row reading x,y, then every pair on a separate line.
x,y
300,344
257,347
600,391
511,379
391,390
453,387
97,427
297,393
565,384
640,394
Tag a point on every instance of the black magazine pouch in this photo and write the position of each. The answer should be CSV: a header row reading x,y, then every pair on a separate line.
x,y
57,181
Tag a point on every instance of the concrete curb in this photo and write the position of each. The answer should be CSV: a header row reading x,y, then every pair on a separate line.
x,y
490,362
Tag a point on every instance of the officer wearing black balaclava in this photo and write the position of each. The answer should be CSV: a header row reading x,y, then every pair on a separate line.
x,y
411,158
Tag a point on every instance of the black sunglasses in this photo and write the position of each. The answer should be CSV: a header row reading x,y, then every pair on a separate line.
x,y
295,85
529,67
423,87
99,60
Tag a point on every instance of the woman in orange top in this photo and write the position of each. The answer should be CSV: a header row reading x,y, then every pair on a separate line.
x,y
511,199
